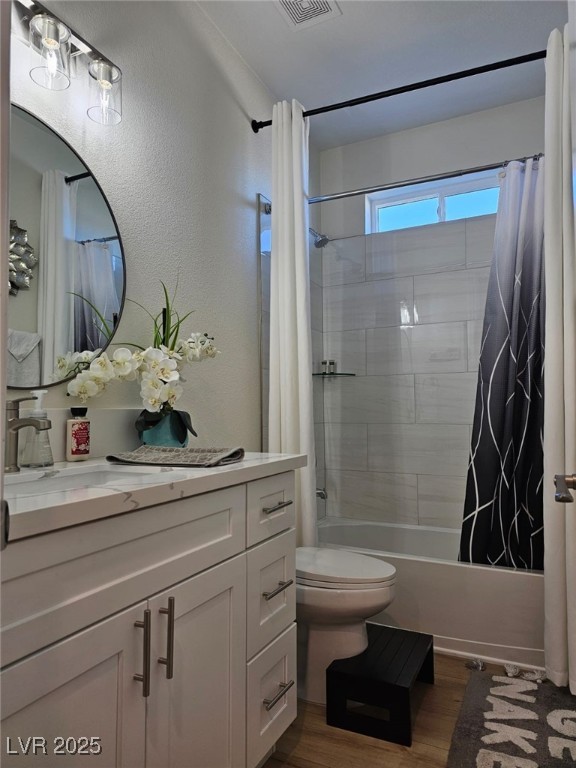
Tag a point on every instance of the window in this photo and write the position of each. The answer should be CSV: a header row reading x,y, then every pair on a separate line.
x,y
472,194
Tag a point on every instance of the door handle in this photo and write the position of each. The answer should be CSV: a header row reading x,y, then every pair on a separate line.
x,y
283,689
168,660
4,524
282,585
144,678
562,483
276,507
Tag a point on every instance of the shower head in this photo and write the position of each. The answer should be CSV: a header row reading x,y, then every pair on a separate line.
x,y
319,240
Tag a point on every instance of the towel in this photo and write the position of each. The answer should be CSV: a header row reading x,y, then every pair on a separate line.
x,y
179,457
23,369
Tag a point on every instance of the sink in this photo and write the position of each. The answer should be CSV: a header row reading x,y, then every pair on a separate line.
x,y
37,482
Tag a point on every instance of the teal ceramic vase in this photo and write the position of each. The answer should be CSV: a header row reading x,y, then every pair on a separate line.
x,y
171,431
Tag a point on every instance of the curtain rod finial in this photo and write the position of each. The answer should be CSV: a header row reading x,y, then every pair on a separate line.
x,y
256,126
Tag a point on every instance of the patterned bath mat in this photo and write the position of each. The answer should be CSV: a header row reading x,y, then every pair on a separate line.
x,y
508,722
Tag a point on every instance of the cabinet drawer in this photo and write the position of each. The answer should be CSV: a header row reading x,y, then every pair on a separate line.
x,y
271,602
271,507
269,712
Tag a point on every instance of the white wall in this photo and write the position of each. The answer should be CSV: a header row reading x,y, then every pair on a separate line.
x,y
491,136
181,173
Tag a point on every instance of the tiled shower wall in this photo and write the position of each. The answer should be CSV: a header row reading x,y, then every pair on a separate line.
x,y
402,311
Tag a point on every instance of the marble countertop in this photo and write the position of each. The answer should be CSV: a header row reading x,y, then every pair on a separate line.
x,y
68,494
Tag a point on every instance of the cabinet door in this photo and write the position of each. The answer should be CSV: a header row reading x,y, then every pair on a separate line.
x,y
196,719
79,699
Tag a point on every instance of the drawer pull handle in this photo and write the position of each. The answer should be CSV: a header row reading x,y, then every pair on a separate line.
x,y
276,507
284,688
144,678
168,660
282,585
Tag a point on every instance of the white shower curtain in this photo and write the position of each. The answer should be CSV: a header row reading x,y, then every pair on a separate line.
x,y
95,282
560,371
291,421
55,269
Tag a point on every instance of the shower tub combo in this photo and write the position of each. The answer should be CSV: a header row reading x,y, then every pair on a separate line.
x,y
472,610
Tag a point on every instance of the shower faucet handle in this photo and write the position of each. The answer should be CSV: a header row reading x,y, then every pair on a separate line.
x,y
562,483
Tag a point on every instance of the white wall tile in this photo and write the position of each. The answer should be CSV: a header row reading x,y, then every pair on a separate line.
x,y
480,240
348,350
430,348
378,496
424,449
369,399
416,251
451,296
445,398
343,261
368,305
346,446
441,500
474,343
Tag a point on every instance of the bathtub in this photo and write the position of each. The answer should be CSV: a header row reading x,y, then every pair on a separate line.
x,y
496,614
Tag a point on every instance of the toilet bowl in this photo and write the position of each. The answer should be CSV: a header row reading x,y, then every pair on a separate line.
x,y
336,591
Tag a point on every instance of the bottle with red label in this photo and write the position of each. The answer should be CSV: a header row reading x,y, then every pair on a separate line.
x,y
78,435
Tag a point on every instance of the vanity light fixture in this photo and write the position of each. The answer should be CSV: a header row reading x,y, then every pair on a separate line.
x,y
60,53
105,104
51,39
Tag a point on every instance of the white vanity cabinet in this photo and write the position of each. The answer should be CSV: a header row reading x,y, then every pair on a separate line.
x,y
185,609
76,702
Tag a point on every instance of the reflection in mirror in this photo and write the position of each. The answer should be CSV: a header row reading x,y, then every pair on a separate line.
x,y
76,293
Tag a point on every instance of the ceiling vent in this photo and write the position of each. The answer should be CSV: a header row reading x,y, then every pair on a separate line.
x,y
299,14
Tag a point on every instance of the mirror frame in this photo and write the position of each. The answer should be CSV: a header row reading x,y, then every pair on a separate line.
x,y
120,243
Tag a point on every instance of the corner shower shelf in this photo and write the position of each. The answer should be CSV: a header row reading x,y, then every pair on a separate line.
x,y
331,375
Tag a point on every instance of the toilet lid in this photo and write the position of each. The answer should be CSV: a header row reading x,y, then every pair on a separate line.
x,y
341,566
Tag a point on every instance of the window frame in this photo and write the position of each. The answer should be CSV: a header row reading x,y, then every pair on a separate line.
x,y
439,189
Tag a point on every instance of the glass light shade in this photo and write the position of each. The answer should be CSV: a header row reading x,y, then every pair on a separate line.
x,y
105,105
51,39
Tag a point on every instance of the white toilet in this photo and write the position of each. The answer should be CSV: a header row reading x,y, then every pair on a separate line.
x,y
336,591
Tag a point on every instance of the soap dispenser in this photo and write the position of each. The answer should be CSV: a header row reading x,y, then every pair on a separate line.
x,y
37,451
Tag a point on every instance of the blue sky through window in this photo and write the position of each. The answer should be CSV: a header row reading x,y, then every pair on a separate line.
x,y
405,215
468,204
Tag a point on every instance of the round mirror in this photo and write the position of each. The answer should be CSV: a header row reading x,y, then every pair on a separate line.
x,y
67,268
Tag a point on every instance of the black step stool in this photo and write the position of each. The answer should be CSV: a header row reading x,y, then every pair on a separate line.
x,y
370,693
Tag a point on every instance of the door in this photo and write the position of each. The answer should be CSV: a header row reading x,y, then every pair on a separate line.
x,y
77,703
196,717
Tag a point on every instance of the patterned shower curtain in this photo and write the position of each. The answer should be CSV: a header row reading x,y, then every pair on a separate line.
x,y
503,509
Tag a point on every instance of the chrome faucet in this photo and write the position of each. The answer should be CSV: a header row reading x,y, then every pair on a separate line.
x,y
13,425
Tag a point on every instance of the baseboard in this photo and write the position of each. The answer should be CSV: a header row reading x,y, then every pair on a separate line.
x,y
497,654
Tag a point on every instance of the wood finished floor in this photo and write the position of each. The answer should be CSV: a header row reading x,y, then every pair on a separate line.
x,y
310,743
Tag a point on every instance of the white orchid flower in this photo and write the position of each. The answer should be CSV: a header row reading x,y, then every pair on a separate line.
x,y
125,365
170,393
83,386
102,368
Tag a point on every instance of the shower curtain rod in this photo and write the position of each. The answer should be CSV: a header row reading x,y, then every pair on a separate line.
x,y
70,179
98,240
421,180
258,124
